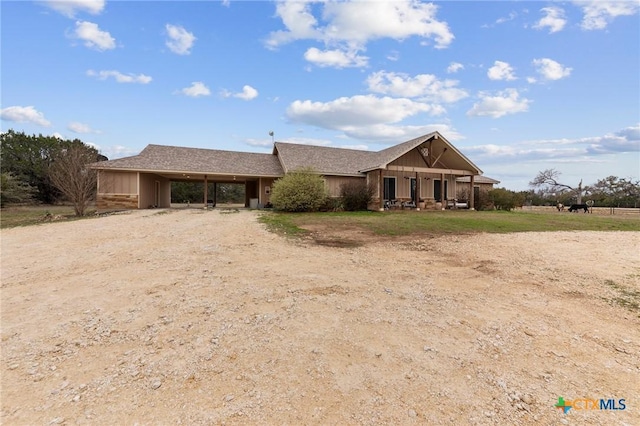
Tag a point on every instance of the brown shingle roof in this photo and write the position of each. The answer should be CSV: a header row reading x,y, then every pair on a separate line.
x,y
325,160
197,160
285,158
477,179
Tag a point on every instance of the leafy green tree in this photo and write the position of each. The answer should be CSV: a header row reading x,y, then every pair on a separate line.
x,y
302,190
29,159
14,190
613,191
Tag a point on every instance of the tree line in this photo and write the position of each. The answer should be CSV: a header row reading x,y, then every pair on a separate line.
x,y
47,169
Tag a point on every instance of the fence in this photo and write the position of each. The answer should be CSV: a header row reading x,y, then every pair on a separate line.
x,y
602,211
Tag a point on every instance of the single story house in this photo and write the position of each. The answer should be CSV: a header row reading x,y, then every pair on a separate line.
x,y
423,172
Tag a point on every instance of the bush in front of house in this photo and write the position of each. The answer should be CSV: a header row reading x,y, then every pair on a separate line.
x,y
301,190
504,199
356,195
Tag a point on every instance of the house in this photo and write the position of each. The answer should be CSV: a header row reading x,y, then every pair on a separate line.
x,y
424,172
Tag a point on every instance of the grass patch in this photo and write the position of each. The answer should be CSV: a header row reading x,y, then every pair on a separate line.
x,y
447,222
10,217
626,297
282,224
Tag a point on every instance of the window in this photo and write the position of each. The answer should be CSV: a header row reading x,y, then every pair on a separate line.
x,y
389,188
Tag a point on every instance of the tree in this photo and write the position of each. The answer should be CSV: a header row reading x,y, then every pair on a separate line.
x,y
613,191
14,190
70,173
302,190
548,179
28,158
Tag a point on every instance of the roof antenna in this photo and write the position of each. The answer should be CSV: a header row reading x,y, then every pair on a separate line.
x,y
271,134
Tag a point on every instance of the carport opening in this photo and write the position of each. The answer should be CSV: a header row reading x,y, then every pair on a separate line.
x,y
217,193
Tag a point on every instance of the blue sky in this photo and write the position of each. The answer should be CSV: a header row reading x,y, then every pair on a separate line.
x,y
517,86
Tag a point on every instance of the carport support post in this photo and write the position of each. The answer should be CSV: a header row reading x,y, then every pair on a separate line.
x,y
443,196
417,193
381,189
472,201
206,202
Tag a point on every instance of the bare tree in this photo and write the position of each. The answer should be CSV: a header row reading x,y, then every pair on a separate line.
x,y
549,178
70,173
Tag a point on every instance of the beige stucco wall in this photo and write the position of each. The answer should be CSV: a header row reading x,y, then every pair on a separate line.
x,y
115,182
265,187
147,195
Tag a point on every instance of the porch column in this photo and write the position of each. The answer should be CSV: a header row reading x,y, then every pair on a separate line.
x,y
381,189
443,201
472,201
205,192
417,192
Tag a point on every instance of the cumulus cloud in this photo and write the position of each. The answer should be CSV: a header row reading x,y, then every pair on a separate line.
x,y
550,69
554,19
560,150
70,8
348,26
505,102
335,58
600,13
27,114
501,71
76,127
180,41
93,36
454,67
248,93
196,89
357,111
120,77
425,86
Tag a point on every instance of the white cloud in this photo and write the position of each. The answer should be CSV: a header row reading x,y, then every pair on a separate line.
x,y
58,135
560,150
196,89
425,86
394,55
385,133
335,58
356,111
180,40
505,102
454,67
501,71
511,17
348,26
70,8
118,151
550,69
600,13
248,93
554,19
93,36
26,114
120,77
76,127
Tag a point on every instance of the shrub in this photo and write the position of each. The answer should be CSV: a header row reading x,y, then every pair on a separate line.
x,y
503,199
356,195
299,191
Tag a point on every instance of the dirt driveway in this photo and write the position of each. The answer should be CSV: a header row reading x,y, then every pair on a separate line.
x,y
204,317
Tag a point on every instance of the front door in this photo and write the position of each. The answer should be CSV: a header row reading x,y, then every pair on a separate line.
x,y
436,190
413,190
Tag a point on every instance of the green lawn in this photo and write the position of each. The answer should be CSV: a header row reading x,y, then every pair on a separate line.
x,y
448,222
31,215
